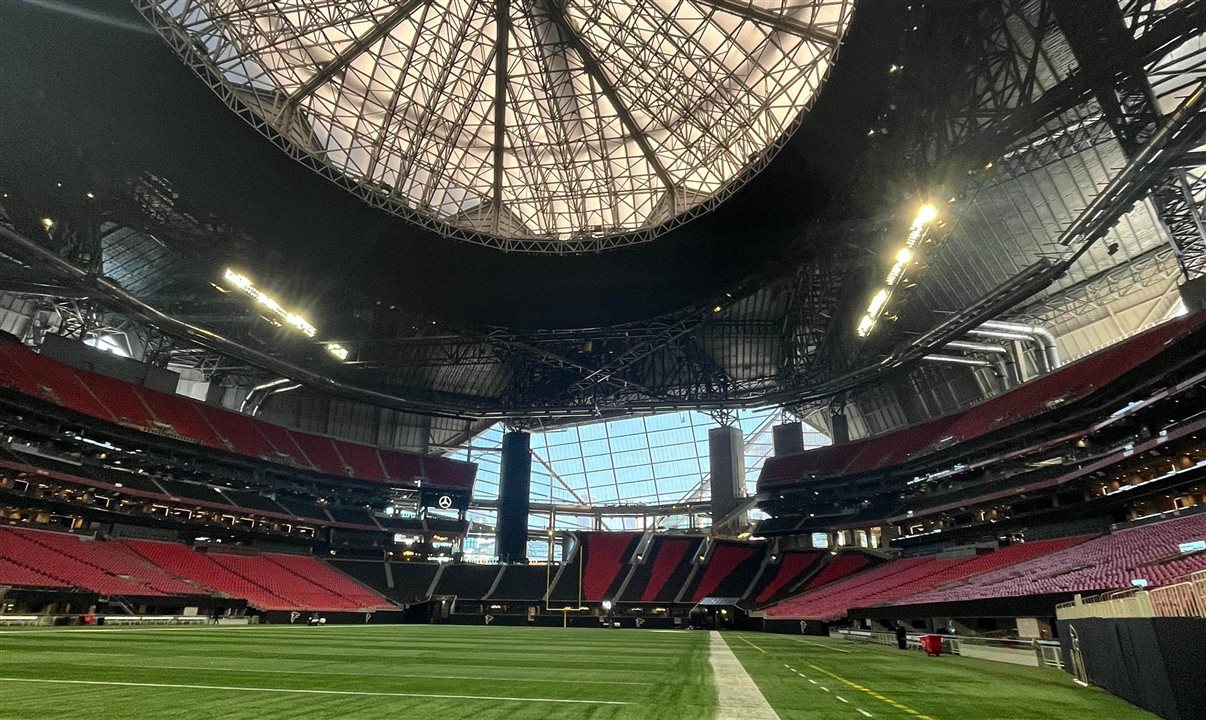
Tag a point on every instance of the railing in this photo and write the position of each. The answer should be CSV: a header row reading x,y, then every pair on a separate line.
x,y
1038,653
1182,599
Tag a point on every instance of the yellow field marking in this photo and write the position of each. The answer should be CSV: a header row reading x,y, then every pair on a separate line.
x,y
872,693
747,642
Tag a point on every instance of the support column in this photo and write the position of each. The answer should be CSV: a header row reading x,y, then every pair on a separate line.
x,y
514,486
726,463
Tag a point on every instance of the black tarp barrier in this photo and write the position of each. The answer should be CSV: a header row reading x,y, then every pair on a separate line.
x,y
1155,663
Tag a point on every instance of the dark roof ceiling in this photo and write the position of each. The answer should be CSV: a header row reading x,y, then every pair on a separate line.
x,y
101,101
1009,108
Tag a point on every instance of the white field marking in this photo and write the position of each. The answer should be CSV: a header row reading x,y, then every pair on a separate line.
x,y
814,682
288,691
197,668
825,688
802,675
747,642
819,645
737,697
138,629
839,697
864,712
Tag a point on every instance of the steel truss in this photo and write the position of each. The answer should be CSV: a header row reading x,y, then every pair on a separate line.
x,y
1099,29
463,156
1018,108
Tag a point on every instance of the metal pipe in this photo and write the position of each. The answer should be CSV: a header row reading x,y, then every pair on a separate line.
x,y
1041,334
957,360
987,348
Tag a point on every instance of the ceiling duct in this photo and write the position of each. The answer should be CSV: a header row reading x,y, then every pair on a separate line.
x,y
1037,334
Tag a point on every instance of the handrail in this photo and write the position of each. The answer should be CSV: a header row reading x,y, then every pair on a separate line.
x,y
1184,598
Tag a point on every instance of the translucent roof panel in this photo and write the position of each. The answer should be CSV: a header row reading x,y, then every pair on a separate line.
x,y
655,459
530,125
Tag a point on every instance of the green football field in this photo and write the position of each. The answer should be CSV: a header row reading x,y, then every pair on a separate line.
x,y
445,672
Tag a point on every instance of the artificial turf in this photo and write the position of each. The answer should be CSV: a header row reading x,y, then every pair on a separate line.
x,y
497,673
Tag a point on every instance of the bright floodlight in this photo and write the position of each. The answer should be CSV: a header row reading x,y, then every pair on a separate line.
x,y
607,605
533,125
926,214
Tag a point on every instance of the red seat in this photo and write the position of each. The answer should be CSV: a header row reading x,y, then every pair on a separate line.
x,y
182,416
120,398
362,459
400,465
55,382
321,453
239,433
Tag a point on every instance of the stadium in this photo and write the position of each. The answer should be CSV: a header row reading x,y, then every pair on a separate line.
x,y
674,360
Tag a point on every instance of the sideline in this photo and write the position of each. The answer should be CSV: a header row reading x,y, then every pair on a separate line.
x,y
737,697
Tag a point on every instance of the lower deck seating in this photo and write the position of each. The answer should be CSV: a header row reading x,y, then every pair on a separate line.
x,y
331,579
606,555
1108,562
668,568
729,571
151,568
522,582
910,580
790,569
16,575
185,562
115,559
67,564
841,566
468,582
870,587
412,580
296,591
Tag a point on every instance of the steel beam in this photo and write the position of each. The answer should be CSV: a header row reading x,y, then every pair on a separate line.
x,y
782,23
345,58
502,47
556,14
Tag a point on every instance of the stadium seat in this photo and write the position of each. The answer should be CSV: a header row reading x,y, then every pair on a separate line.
x,y
320,573
32,550
606,555
791,567
185,562
20,576
729,571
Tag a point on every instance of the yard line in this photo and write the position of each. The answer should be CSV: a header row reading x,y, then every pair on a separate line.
x,y
738,698
478,678
747,642
819,645
288,691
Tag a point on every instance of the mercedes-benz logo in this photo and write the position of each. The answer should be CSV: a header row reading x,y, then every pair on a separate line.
x,y
445,501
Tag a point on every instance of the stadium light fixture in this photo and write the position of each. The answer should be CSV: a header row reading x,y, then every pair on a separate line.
x,y
282,316
607,605
337,350
905,256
